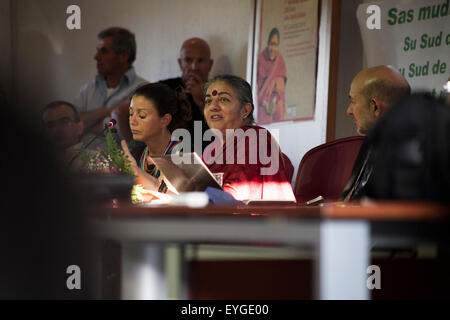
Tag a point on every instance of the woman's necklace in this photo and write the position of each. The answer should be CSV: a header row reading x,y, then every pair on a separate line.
x,y
146,163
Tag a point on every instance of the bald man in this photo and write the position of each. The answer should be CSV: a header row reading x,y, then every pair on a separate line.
x,y
195,64
372,92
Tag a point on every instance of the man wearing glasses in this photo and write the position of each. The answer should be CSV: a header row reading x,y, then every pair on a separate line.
x,y
63,130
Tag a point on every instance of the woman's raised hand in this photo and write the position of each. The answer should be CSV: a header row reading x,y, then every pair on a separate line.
x,y
143,178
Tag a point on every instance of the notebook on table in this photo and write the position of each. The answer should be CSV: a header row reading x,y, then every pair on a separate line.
x,y
188,176
193,175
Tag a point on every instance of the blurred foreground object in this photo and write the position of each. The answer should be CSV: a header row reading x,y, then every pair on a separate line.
x,y
43,230
410,153
447,91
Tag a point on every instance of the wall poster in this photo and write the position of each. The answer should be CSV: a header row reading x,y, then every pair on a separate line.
x,y
414,37
286,60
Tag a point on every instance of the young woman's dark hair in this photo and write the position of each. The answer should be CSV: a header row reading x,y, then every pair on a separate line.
x,y
168,101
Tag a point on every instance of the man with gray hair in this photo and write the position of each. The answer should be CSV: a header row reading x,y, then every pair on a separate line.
x,y
108,94
372,92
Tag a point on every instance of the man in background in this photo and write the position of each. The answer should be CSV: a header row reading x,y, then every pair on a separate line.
x,y
195,64
372,92
63,128
107,96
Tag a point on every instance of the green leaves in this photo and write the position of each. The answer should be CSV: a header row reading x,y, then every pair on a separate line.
x,y
118,158
110,160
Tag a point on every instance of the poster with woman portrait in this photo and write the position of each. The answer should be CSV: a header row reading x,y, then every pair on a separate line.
x,y
286,61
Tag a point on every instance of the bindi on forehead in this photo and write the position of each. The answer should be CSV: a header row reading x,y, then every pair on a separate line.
x,y
214,93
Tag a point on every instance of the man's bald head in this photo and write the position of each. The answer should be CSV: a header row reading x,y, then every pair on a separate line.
x,y
384,83
195,59
373,91
196,43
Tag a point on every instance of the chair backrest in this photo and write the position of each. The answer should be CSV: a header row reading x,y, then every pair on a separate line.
x,y
325,169
289,168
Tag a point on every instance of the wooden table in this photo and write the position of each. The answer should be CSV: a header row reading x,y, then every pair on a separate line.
x,y
340,237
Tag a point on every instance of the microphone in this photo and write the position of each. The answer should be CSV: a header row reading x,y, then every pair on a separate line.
x,y
110,125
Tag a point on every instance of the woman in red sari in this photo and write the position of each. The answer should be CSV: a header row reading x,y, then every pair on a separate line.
x,y
246,156
271,81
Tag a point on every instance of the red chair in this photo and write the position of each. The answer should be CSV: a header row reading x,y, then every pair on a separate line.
x,y
325,169
288,167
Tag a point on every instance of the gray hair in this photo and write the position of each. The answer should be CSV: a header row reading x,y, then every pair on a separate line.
x,y
242,89
123,41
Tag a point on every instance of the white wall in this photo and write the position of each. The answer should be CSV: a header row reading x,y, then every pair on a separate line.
x,y
350,63
54,62
5,47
